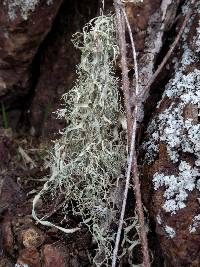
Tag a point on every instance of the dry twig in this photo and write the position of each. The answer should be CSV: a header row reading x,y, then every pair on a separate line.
x,y
131,126
124,66
128,175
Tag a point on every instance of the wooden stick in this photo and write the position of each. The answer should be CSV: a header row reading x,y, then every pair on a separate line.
x,y
124,66
132,166
133,51
128,175
136,180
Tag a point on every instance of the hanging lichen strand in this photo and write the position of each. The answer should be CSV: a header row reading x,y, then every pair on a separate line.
x,y
88,160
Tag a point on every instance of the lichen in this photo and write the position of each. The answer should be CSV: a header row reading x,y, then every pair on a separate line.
x,y
177,130
25,7
170,231
176,187
21,265
87,163
196,223
132,1
170,127
158,219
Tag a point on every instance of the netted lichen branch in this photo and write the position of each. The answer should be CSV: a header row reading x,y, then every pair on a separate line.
x,y
88,161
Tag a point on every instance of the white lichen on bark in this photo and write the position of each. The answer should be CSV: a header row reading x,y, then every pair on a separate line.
x,y
196,222
158,22
24,7
178,130
170,231
176,187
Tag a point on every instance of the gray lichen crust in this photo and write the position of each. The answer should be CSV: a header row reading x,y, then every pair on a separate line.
x,y
25,7
170,231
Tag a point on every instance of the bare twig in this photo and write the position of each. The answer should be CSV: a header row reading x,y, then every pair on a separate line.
x,y
146,89
133,51
140,212
124,66
128,175
132,166
136,181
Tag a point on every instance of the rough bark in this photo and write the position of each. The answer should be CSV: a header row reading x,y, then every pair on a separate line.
x,y
171,172
57,67
20,38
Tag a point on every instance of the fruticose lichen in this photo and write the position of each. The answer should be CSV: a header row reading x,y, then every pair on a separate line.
x,y
88,161
21,265
25,7
178,130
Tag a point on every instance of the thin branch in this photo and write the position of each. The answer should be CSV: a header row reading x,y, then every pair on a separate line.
x,y
133,51
140,212
124,66
132,166
146,89
128,175
136,181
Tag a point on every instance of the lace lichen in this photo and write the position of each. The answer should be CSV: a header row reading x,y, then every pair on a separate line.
x,y
88,161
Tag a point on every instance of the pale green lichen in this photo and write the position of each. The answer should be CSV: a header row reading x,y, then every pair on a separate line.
x,y
88,161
